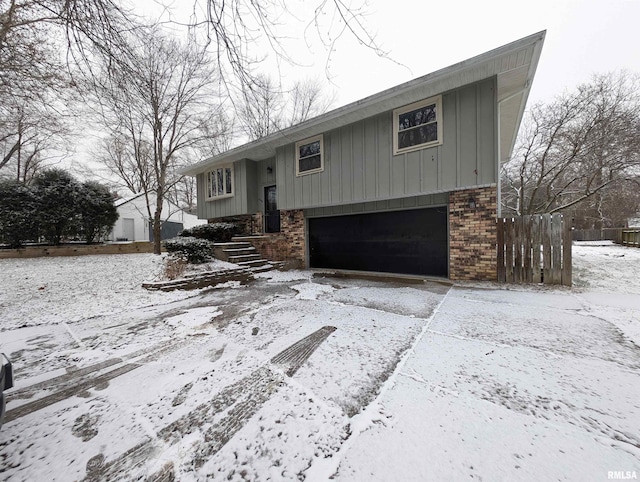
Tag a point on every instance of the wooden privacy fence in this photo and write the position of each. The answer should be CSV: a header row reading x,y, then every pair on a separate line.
x,y
535,249
630,237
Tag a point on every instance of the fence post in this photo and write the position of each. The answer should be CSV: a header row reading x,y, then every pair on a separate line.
x,y
566,251
510,236
517,248
528,274
502,273
556,246
536,228
546,248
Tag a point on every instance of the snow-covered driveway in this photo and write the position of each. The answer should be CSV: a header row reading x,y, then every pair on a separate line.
x,y
296,377
237,382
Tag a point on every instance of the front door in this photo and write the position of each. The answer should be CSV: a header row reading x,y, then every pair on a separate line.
x,y
271,213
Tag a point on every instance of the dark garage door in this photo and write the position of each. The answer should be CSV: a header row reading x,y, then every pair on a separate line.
x,y
168,230
410,242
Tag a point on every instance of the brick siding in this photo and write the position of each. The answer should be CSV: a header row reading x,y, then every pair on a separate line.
x,y
288,245
473,235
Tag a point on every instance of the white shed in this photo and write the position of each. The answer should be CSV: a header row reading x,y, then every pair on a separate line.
x,y
133,223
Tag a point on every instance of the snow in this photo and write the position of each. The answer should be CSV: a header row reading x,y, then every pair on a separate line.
x,y
395,381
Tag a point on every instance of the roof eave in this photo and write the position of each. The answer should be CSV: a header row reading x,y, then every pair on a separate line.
x,y
482,66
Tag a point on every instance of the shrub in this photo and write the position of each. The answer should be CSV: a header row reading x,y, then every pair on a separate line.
x,y
58,194
97,212
216,232
17,221
174,268
193,250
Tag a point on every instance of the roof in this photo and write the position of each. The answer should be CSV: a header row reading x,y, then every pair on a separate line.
x,y
513,64
125,200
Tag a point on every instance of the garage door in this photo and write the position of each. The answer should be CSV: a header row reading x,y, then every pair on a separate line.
x,y
410,242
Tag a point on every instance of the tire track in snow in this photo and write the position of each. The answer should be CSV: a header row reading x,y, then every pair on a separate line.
x,y
233,406
79,381
292,358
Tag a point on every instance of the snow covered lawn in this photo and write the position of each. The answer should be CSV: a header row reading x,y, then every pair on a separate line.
x,y
295,377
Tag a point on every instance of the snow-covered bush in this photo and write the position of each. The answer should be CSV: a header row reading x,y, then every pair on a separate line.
x,y
55,207
216,232
17,220
193,250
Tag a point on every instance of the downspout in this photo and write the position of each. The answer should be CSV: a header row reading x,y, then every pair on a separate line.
x,y
526,87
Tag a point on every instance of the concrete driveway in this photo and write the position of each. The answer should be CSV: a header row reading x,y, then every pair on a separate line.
x,y
295,377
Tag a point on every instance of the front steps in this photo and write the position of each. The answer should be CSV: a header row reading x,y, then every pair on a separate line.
x,y
243,254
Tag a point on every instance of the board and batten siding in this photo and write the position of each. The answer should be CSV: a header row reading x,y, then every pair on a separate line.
x,y
359,164
244,200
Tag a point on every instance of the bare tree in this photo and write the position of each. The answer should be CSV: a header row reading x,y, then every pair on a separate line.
x,y
184,194
260,110
578,149
158,103
32,135
308,98
266,108
129,160
235,30
37,89
34,32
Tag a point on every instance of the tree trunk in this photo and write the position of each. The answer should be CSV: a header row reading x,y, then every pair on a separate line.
x,y
157,242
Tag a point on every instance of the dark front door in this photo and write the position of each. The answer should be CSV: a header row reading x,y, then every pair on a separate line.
x,y
271,213
411,242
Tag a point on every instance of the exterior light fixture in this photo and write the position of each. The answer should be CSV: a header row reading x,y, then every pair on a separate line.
x,y
269,169
472,203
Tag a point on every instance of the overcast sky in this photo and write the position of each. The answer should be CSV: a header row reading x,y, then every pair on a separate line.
x,y
583,37
421,36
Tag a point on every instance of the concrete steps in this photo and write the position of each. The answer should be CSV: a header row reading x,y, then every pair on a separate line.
x,y
241,253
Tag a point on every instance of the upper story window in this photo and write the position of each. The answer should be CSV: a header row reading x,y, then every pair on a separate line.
x,y
219,182
418,125
309,156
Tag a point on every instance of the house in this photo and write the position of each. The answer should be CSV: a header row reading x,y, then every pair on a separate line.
x,y
403,181
133,222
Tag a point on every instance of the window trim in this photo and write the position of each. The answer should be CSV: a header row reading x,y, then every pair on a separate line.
x,y
207,181
310,140
437,100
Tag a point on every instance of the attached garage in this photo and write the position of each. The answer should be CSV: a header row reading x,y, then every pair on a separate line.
x,y
409,242
402,181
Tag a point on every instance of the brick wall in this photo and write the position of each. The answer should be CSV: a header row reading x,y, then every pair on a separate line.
x,y
473,235
287,245
292,226
77,250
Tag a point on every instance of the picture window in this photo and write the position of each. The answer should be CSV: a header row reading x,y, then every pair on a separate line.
x,y
220,182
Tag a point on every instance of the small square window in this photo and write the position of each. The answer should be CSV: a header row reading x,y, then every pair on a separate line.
x,y
219,182
309,156
417,126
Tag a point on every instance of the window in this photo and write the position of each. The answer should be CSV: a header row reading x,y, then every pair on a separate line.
x,y
219,182
309,156
418,125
